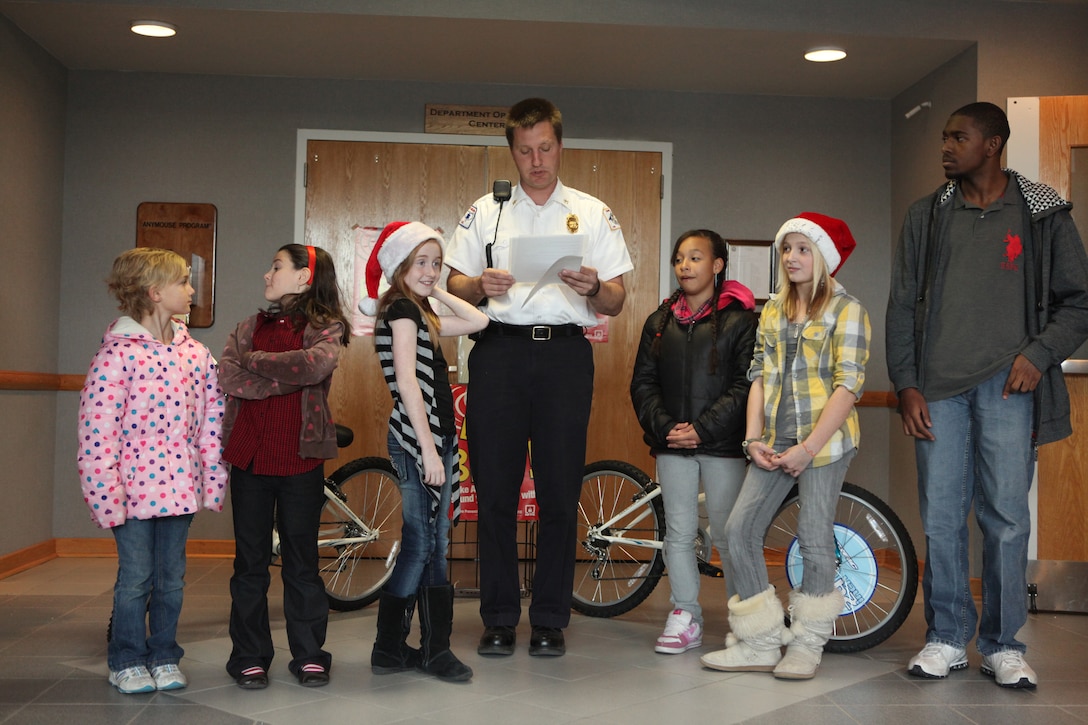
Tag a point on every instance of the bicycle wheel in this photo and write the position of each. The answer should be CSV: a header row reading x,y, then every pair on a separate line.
x,y
360,532
611,578
877,569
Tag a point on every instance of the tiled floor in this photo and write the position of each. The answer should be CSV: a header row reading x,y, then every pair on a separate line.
x,y
53,670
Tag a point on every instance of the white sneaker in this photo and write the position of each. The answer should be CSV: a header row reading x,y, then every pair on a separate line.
x,y
936,660
1008,669
681,634
168,677
132,680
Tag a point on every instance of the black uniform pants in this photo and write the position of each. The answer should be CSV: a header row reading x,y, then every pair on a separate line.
x,y
522,389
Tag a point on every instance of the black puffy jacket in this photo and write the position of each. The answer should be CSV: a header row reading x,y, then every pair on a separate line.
x,y
677,386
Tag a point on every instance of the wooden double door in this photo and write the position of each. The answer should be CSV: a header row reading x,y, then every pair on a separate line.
x,y
1063,466
363,183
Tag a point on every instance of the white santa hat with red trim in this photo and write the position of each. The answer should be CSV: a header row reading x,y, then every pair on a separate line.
x,y
394,244
830,235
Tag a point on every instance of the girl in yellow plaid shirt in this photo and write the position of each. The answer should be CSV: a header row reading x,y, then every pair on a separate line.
x,y
807,373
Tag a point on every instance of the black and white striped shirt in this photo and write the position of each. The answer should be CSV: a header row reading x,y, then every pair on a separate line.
x,y
430,372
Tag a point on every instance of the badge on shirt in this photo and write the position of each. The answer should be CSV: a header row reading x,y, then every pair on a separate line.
x,y
466,220
611,220
572,223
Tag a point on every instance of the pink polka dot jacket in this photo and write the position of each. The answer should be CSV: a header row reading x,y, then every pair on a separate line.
x,y
149,427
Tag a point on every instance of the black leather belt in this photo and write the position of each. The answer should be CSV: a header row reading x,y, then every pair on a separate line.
x,y
540,333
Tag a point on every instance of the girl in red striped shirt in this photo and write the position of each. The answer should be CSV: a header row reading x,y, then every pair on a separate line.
x,y
278,431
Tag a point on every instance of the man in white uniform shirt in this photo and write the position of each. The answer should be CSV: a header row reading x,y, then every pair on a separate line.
x,y
531,373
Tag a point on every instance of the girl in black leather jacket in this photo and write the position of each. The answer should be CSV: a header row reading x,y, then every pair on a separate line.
x,y
690,392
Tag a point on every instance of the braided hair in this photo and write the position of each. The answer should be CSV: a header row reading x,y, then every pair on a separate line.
x,y
718,250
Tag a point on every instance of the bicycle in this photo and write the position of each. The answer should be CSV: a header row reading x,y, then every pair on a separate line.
x,y
358,538
621,530
621,533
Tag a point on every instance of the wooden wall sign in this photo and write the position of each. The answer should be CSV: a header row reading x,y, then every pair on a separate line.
x,y
477,120
189,230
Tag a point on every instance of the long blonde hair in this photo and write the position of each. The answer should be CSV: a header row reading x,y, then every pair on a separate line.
x,y
399,289
822,285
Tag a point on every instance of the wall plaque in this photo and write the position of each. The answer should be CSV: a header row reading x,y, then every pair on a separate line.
x,y
189,230
477,120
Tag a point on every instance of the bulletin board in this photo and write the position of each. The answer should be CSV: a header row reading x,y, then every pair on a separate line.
x,y
189,230
752,263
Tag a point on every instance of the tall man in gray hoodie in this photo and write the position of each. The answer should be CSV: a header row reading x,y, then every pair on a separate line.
x,y
989,294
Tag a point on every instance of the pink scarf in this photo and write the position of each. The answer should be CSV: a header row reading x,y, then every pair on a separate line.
x,y
731,290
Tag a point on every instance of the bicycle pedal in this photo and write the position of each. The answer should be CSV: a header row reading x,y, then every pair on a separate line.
x,y
710,570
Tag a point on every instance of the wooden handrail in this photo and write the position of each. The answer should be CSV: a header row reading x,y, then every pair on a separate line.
x,y
18,380
879,399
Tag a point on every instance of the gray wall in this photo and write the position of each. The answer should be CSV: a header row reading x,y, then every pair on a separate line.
x,y
32,111
916,159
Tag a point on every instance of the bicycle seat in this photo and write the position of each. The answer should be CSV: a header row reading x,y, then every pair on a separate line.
x,y
344,436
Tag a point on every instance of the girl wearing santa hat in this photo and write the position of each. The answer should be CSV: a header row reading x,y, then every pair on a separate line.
x,y
277,433
422,443
807,373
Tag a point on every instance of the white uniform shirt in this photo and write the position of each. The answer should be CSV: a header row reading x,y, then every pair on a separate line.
x,y
603,248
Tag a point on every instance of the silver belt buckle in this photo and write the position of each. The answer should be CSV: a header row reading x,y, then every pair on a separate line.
x,y
541,333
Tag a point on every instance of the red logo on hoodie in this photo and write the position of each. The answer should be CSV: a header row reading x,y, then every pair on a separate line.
x,y
1013,250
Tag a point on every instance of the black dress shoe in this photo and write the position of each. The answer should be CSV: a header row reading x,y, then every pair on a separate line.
x,y
252,678
497,641
312,676
547,642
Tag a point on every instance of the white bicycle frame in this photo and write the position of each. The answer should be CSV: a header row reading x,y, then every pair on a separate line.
x,y
326,536
596,532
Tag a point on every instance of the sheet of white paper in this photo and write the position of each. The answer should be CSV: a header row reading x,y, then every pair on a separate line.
x,y
552,275
531,257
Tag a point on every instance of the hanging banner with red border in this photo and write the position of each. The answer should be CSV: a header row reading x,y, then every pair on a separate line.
x,y
469,510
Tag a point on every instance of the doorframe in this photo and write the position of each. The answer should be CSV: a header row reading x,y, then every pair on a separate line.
x,y
305,135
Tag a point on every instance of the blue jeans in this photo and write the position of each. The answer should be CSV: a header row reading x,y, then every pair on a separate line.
x,y
680,477
759,500
425,534
982,455
150,579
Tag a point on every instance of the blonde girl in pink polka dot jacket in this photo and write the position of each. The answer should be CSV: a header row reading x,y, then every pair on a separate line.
x,y
149,458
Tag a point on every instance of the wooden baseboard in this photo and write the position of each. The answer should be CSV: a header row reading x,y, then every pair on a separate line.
x,y
86,548
27,558
32,556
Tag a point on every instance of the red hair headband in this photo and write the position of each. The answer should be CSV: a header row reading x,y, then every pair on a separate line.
x,y
311,262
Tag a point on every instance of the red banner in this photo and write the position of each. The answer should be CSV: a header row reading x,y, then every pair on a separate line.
x,y
469,510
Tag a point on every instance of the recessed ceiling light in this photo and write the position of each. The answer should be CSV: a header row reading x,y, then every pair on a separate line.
x,y
153,28
825,55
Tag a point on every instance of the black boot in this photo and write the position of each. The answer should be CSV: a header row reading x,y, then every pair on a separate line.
x,y
435,622
391,652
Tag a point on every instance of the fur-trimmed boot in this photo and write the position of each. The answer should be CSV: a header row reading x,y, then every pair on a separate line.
x,y
436,623
759,631
812,621
391,652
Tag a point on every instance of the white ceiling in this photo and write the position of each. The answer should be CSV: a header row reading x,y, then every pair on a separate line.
x,y
95,36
